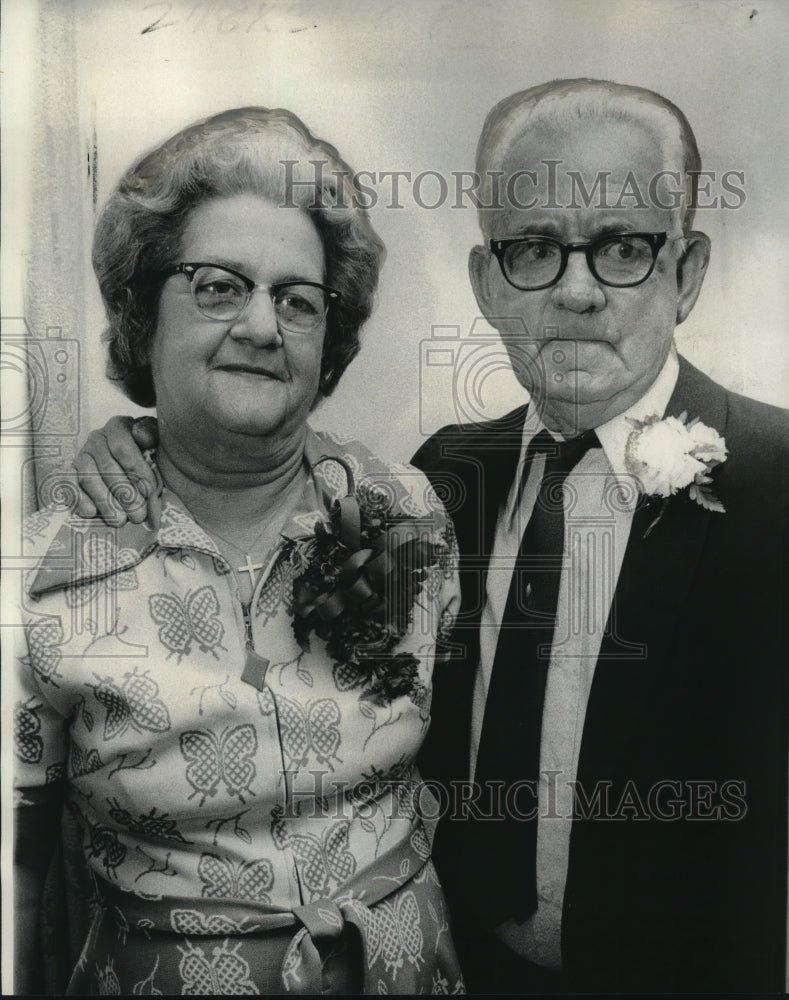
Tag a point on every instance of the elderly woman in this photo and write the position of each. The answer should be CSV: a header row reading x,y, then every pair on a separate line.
x,y
230,697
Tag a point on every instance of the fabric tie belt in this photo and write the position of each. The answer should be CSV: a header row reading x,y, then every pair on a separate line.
x,y
401,922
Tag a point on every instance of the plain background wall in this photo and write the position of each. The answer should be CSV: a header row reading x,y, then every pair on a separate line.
x,y
396,86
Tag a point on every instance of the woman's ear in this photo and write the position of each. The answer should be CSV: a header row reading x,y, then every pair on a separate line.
x,y
691,269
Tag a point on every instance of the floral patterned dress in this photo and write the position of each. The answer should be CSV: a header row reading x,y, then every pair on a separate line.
x,y
243,804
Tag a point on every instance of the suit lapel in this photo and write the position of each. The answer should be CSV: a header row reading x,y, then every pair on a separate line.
x,y
651,593
481,465
485,464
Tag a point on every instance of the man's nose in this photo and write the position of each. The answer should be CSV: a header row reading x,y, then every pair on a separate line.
x,y
578,289
257,323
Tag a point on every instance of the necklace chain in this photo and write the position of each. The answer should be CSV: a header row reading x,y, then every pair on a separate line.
x,y
248,566
245,550
272,516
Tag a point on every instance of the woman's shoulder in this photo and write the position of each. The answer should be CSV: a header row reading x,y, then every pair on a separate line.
x,y
38,530
61,549
407,489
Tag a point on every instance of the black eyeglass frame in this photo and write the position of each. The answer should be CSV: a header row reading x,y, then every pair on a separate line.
x,y
656,242
191,268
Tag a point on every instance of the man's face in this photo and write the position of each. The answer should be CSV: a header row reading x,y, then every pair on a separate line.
x,y
589,350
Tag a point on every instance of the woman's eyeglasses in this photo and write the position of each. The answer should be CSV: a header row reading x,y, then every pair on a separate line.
x,y
222,294
622,260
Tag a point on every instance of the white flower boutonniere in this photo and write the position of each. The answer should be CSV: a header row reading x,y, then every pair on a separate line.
x,y
667,455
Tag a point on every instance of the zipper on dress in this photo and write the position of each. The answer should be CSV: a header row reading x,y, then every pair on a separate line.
x,y
255,665
246,611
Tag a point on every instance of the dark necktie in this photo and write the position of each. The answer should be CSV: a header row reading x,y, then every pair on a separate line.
x,y
509,753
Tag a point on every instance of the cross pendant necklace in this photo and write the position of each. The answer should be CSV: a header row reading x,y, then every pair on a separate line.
x,y
272,523
251,568
248,566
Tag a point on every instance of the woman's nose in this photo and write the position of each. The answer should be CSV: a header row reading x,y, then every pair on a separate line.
x,y
258,321
578,289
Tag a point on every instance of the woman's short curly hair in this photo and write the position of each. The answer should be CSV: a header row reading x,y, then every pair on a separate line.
x,y
245,150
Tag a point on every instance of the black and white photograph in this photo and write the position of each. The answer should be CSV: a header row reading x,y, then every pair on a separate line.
x,y
395,497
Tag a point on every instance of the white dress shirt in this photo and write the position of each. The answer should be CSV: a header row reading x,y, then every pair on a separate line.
x,y
600,497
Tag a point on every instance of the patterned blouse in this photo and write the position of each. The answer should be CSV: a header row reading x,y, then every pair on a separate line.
x,y
207,755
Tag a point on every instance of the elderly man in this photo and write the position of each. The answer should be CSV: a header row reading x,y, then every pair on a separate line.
x,y
610,743
622,699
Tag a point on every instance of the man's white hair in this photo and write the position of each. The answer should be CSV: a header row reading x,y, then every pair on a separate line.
x,y
566,103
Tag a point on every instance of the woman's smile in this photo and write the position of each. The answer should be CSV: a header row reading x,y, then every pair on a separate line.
x,y
241,368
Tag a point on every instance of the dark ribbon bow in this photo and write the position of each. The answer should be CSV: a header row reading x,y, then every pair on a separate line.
x,y
362,582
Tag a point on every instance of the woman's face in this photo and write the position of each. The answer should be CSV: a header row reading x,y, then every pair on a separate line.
x,y
245,376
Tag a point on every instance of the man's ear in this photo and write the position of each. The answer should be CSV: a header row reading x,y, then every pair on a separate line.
x,y
479,271
691,269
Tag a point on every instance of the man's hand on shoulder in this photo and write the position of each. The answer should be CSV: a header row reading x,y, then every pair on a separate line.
x,y
115,481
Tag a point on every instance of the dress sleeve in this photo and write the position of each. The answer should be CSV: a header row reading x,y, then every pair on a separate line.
x,y
40,744
40,730
438,603
449,599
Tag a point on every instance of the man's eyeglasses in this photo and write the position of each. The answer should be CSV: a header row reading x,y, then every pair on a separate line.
x,y
223,294
622,260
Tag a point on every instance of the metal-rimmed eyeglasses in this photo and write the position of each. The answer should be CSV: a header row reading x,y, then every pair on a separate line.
x,y
621,260
222,294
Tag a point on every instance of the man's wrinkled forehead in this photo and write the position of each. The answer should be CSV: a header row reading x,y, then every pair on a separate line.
x,y
585,145
613,167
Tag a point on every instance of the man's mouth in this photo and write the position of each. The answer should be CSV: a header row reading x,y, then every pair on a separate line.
x,y
568,347
588,336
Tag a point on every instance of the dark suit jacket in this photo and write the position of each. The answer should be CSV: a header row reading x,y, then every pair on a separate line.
x,y
690,687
